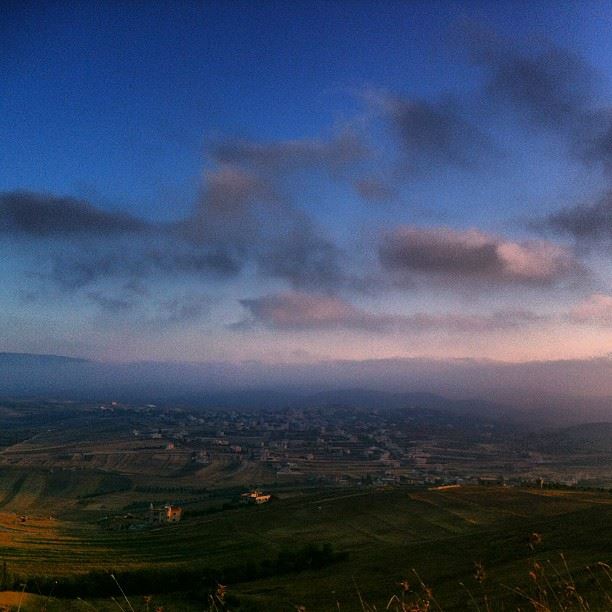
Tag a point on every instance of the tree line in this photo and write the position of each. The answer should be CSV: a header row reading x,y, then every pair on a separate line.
x,y
196,582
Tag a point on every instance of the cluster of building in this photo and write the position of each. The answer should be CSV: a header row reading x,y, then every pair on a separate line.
x,y
255,497
346,446
319,445
165,514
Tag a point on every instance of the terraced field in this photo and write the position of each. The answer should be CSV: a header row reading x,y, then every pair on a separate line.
x,y
385,532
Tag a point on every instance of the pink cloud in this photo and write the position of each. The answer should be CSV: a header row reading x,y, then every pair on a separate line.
x,y
474,254
301,311
596,310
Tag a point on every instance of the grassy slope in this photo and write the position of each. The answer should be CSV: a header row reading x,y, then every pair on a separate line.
x,y
440,533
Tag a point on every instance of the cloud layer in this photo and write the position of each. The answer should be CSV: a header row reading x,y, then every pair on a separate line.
x,y
552,88
588,222
46,215
473,254
254,214
300,312
595,309
436,133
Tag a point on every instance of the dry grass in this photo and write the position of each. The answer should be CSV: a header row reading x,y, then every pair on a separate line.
x,y
551,588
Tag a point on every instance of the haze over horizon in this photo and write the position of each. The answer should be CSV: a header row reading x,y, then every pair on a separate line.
x,y
311,184
553,392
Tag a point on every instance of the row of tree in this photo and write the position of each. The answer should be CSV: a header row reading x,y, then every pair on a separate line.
x,y
198,582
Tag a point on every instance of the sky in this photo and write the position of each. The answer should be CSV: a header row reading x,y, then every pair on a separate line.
x,y
301,182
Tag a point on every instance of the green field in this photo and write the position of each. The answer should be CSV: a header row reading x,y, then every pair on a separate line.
x,y
386,534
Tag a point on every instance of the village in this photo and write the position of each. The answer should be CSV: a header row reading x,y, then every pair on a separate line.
x,y
180,455
345,447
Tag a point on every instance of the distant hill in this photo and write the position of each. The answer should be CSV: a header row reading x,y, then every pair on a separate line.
x,y
381,400
588,437
33,359
373,385
28,374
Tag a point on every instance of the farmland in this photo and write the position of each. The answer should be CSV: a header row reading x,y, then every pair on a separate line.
x,y
74,499
386,533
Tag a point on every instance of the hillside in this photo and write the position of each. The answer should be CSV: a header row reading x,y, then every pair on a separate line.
x,y
593,437
386,533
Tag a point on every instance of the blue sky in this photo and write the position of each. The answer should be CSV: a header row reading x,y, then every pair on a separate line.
x,y
305,181
118,99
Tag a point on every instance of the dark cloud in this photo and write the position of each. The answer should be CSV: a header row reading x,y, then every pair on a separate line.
x,y
240,217
233,212
248,212
551,88
375,190
555,90
300,311
473,254
45,215
440,250
437,133
431,133
229,192
90,244
250,218
137,262
585,222
305,258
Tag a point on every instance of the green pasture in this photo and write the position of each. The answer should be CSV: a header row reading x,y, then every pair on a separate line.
x,y
386,533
